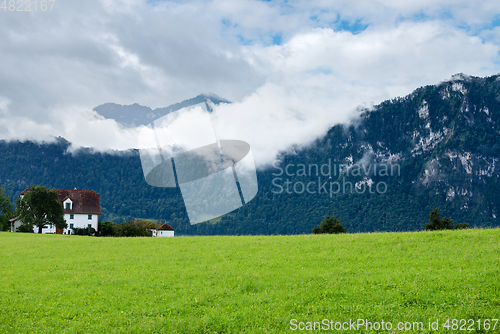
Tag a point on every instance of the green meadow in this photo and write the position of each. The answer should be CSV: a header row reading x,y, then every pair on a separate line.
x,y
254,284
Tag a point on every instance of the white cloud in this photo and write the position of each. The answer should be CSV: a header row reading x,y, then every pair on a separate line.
x,y
299,103
56,66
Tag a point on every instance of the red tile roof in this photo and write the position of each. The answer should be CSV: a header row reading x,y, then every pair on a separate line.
x,y
167,227
84,201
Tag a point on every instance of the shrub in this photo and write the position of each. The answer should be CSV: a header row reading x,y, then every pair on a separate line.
x,y
135,228
83,231
330,225
25,228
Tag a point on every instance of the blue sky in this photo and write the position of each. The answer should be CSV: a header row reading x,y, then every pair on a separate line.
x,y
305,65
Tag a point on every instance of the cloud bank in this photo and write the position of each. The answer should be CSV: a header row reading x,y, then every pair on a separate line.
x,y
292,69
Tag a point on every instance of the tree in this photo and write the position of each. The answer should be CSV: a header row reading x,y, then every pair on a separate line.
x,y
436,223
106,228
330,225
147,224
5,211
135,228
40,207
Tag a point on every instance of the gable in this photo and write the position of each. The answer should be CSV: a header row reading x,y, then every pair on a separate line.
x,y
166,227
67,201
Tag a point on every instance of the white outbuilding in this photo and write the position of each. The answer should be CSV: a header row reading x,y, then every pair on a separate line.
x,y
164,231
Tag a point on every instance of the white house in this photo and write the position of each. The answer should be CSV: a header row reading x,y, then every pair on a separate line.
x,y
164,231
81,209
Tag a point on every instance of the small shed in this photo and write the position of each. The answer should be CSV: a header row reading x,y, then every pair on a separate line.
x,y
165,231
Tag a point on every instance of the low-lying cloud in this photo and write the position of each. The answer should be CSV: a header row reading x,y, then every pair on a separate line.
x,y
291,75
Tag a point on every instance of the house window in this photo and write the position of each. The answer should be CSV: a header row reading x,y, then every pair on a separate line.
x,y
70,225
90,225
68,206
71,216
90,217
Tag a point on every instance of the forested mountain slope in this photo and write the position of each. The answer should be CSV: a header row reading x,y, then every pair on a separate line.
x,y
437,147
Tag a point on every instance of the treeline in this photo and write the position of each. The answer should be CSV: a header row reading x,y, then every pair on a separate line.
x,y
130,228
143,228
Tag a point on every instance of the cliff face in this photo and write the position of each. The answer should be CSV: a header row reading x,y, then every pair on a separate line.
x,y
450,132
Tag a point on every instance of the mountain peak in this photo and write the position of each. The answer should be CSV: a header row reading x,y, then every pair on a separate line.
x,y
213,97
135,114
459,77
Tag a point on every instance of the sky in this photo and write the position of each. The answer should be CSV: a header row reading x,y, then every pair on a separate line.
x,y
292,69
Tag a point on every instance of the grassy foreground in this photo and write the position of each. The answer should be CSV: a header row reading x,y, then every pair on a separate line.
x,y
72,284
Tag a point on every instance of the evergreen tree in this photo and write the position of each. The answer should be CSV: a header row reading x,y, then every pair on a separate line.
x,y
436,223
330,225
5,211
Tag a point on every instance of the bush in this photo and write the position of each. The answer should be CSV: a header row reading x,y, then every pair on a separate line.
x,y
25,228
437,224
330,225
135,228
83,231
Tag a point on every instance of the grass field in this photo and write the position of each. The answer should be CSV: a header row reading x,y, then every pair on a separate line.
x,y
72,284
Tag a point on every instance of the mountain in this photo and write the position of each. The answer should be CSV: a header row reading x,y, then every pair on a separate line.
x,y
437,147
134,115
